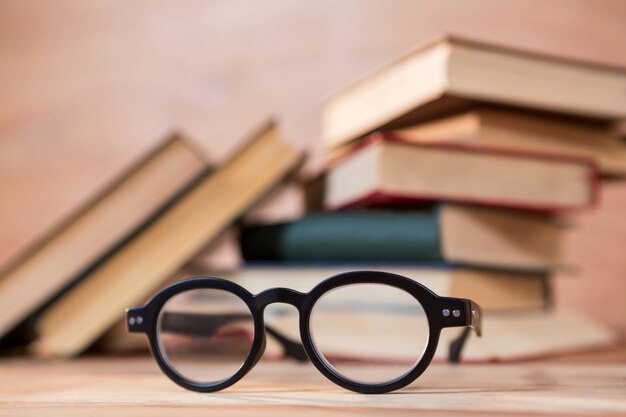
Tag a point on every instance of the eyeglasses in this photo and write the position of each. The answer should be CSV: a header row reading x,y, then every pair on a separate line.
x,y
207,333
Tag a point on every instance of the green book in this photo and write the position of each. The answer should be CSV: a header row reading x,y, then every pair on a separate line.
x,y
444,233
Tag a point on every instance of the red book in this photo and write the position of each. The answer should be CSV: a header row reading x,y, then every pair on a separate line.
x,y
385,170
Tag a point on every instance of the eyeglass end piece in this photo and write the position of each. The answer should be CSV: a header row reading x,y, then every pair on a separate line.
x,y
135,320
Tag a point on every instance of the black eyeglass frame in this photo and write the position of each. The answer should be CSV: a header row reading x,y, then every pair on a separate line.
x,y
441,312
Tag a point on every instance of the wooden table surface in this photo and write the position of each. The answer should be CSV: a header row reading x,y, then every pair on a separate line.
x,y
587,385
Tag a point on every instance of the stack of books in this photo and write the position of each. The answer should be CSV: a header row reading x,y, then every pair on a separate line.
x,y
453,165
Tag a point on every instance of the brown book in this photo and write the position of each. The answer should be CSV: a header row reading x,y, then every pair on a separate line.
x,y
449,73
531,335
134,272
90,234
519,131
512,335
494,290
387,170
491,289
506,336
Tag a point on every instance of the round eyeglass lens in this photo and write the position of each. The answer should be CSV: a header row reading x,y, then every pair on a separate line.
x,y
205,335
369,333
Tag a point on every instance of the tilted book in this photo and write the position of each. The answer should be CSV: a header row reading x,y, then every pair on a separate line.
x,y
142,265
90,234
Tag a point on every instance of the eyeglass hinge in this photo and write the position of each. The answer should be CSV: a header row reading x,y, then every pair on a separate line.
x,y
136,319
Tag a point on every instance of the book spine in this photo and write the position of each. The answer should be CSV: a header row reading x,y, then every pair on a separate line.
x,y
385,200
347,237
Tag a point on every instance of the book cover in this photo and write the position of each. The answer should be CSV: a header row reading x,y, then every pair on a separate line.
x,y
152,257
442,233
89,235
452,73
385,169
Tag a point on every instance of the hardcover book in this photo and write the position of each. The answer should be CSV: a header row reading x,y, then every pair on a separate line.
x,y
90,234
149,260
525,132
387,170
449,74
454,234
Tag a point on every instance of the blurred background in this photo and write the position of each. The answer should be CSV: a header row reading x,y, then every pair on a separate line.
x,y
88,87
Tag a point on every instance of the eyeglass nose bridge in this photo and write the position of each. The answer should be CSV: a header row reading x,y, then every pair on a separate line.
x,y
279,295
293,348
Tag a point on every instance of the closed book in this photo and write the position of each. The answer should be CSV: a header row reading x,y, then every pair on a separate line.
x,y
527,335
454,234
452,73
494,291
527,132
507,337
345,331
155,255
91,233
386,170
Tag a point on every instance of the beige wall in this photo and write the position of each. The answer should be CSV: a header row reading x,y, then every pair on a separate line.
x,y
87,86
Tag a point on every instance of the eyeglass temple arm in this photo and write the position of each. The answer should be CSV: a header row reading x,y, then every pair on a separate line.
x,y
206,324
292,348
474,317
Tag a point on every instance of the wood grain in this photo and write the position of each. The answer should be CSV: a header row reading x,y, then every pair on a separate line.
x,y
135,387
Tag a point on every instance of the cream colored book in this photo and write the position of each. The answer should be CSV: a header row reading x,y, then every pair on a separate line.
x,y
385,170
520,132
531,335
492,289
506,337
451,72
96,228
134,273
